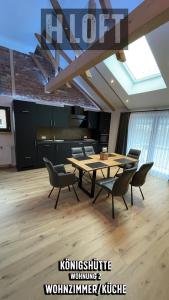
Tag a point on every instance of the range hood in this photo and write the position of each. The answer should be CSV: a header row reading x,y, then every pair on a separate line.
x,y
78,118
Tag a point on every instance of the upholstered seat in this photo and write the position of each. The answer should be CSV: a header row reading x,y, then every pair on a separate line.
x,y
59,178
116,186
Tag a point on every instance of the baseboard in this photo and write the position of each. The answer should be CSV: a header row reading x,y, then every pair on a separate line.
x,y
6,166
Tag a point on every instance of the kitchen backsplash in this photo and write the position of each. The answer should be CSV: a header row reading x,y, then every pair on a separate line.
x,y
65,134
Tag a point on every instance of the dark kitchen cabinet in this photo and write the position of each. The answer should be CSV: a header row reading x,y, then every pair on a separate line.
x,y
60,117
104,122
29,117
58,152
44,116
63,151
52,116
45,150
93,119
25,134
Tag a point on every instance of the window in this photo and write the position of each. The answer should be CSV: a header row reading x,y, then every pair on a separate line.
x,y
5,125
149,132
140,61
140,73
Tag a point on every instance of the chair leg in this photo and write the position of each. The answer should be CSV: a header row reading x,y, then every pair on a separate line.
x,y
102,173
141,192
57,198
90,176
50,192
75,193
113,215
125,203
97,196
117,172
74,171
69,188
131,195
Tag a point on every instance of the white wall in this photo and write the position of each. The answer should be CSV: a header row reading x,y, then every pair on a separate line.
x,y
114,126
7,148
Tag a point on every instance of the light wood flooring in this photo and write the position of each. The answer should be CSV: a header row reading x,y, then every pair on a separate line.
x,y
34,236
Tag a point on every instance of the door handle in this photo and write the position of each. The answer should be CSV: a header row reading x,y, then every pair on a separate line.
x,y
25,111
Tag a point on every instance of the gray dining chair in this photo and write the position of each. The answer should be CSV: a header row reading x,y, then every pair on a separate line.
x,y
133,153
59,178
89,150
116,186
139,178
77,152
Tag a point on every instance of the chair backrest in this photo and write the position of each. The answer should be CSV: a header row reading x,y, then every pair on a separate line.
x,y
77,152
122,183
51,171
134,153
140,176
89,150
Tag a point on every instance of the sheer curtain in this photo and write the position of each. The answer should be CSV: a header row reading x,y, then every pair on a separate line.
x,y
149,132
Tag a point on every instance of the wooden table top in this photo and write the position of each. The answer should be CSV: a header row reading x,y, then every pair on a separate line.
x,y
110,162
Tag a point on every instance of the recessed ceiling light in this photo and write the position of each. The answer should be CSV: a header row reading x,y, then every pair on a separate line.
x,y
112,81
127,101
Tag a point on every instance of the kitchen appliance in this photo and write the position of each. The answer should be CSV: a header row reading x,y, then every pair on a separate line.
x,y
104,138
78,118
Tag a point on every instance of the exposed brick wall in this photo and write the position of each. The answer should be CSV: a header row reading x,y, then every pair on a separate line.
x,y
29,81
5,72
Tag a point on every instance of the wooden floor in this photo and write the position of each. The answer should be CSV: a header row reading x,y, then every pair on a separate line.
x,y
34,236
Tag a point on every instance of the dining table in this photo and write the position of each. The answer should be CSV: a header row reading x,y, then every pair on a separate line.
x,y
93,163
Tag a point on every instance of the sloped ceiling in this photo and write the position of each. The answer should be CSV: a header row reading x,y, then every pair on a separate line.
x,y
19,20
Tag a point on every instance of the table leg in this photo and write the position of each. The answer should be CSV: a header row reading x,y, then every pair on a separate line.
x,y
108,172
80,178
93,184
89,193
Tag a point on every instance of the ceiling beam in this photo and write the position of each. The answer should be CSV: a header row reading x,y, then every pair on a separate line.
x,y
85,78
47,51
86,94
91,10
106,6
97,92
144,19
40,67
69,35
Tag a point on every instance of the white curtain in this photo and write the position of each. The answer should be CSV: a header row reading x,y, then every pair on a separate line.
x,y
149,132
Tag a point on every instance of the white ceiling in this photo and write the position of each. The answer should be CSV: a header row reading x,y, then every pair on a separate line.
x,y
19,20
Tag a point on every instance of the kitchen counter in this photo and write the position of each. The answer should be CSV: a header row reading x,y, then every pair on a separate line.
x,y
66,141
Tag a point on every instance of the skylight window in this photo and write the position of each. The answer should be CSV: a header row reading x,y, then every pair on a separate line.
x,y
140,62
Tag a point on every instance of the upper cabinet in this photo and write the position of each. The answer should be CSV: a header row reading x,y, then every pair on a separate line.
x,y
104,122
93,119
60,117
52,116
44,116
